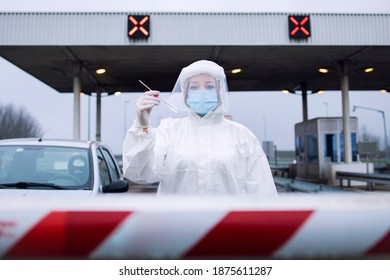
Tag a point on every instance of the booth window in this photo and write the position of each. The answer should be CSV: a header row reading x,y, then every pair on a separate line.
x,y
299,147
312,148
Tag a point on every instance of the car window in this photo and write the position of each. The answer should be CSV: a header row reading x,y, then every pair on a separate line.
x,y
111,164
65,166
103,169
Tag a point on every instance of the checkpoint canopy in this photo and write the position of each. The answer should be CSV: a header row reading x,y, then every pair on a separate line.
x,y
275,51
47,45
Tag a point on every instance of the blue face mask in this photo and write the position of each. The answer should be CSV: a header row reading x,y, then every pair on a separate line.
x,y
202,101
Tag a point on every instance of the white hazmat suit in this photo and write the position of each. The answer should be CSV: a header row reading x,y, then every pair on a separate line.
x,y
198,154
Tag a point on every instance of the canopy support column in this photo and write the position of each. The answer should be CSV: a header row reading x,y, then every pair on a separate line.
x,y
98,113
346,114
304,102
76,101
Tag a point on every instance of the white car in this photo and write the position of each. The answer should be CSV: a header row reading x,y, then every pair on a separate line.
x,y
67,166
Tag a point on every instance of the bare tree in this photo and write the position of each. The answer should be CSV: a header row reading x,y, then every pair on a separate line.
x,y
17,123
366,136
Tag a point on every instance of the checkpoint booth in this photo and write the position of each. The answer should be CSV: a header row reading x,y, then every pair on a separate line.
x,y
319,144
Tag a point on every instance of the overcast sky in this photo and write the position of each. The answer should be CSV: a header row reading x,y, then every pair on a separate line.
x,y
271,116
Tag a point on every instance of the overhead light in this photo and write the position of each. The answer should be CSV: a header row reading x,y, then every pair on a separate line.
x,y
385,90
237,70
287,91
100,71
368,69
323,70
116,93
318,91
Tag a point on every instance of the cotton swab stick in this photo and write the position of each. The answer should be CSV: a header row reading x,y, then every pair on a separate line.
x,y
162,99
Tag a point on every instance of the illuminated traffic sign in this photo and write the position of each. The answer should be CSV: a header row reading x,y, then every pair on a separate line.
x,y
138,26
299,27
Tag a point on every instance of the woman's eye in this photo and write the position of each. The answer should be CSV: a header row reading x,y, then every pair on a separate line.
x,y
210,87
193,88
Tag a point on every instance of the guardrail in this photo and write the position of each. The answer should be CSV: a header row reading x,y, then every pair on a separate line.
x,y
293,185
370,178
280,171
142,226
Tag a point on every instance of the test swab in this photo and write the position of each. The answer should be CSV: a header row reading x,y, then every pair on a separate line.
x,y
162,99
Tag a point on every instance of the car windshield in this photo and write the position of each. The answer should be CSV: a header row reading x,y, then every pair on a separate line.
x,y
54,167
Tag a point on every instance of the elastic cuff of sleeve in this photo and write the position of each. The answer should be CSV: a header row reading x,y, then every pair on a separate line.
x,y
138,125
138,129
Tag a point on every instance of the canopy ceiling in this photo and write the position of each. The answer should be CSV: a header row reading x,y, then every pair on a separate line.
x,y
264,68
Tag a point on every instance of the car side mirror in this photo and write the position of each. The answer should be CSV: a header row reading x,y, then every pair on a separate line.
x,y
116,186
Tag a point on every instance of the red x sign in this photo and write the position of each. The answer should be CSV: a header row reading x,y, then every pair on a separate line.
x,y
138,26
299,27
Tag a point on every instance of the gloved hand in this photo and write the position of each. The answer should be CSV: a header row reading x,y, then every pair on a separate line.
x,y
144,105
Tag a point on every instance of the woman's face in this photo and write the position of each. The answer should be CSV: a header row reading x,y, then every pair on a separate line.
x,y
202,82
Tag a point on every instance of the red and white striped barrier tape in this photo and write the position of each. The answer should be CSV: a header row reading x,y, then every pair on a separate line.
x,y
182,227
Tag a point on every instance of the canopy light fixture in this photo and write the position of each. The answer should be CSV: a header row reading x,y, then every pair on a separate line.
x,y
102,94
101,71
318,91
368,69
237,70
323,70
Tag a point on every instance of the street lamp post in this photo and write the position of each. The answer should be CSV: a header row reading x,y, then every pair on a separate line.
x,y
384,124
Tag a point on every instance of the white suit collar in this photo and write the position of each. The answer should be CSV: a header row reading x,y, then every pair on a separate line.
x,y
214,117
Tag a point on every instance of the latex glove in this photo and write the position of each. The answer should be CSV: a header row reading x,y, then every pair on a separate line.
x,y
144,105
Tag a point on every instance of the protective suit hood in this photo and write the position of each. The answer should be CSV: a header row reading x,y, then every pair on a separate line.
x,y
179,92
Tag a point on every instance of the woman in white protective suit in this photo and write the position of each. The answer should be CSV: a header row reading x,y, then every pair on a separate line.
x,y
203,153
